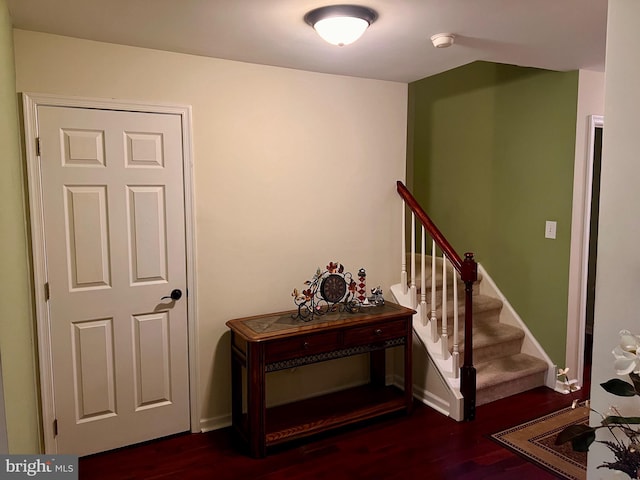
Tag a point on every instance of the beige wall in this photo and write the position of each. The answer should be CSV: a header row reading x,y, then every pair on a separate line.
x,y
292,170
16,320
590,102
617,304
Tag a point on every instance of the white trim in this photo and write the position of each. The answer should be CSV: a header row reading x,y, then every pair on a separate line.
x,y
425,396
215,423
576,325
595,121
30,102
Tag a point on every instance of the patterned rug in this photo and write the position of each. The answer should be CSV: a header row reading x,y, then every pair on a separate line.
x,y
535,440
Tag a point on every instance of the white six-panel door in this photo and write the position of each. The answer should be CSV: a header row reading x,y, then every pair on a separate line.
x,y
114,234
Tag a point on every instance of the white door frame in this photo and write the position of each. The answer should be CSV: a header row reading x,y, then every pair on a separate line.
x,y
30,103
576,324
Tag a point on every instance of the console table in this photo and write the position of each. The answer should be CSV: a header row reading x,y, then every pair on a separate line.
x,y
268,343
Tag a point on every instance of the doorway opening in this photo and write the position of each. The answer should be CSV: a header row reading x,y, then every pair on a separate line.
x,y
596,133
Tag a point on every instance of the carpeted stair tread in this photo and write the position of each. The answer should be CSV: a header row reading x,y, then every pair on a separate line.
x,y
492,341
485,309
507,376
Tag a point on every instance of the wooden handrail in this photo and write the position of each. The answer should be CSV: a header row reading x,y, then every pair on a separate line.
x,y
468,270
435,233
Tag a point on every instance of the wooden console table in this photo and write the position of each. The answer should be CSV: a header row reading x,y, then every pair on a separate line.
x,y
268,343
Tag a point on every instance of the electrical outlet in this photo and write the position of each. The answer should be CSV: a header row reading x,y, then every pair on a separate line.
x,y
550,229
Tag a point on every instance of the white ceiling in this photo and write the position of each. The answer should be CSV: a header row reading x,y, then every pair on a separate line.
x,y
551,34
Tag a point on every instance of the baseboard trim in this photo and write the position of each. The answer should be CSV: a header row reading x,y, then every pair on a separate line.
x,y
215,423
437,403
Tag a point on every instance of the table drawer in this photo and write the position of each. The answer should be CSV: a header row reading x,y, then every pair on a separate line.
x,y
301,346
375,333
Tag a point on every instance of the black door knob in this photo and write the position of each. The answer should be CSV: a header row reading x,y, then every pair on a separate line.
x,y
175,295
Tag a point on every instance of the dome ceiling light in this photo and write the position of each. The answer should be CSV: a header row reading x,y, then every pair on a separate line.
x,y
341,24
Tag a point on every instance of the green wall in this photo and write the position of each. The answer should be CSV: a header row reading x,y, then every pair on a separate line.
x,y
491,158
16,317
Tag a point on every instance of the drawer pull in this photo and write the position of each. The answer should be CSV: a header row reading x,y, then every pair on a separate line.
x,y
306,345
378,331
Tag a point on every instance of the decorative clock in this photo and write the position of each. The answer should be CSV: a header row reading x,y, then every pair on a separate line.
x,y
333,288
328,291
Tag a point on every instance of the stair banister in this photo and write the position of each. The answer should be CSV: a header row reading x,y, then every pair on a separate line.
x,y
413,289
403,273
423,279
434,318
444,337
468,271
456,348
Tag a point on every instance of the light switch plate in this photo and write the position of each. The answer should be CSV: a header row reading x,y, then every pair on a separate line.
x,y
550,229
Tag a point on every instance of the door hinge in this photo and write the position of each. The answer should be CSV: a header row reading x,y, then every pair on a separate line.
x,y
47,293
37,146
55,427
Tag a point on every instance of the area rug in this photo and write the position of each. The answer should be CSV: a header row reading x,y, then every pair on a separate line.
x,y
535,440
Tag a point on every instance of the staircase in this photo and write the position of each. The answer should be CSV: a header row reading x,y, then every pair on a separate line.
x,y
506,357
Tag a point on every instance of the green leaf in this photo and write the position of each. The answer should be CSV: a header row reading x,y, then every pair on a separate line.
x,y
581,437
615,420
619,387
582,443
635,378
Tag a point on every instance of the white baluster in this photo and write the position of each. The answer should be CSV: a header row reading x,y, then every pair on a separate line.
x,y
434,319
423,280
413,289
455,361
403,245
444,338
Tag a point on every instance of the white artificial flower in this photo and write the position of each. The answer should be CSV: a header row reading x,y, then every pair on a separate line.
x,y
626,362
628,341
626,354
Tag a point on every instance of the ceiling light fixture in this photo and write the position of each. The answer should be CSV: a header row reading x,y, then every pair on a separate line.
x,y
341,24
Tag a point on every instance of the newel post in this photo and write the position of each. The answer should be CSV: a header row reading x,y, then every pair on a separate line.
x,y
469,275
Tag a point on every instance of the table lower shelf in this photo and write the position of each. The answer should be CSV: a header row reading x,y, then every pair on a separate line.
x,y
318,414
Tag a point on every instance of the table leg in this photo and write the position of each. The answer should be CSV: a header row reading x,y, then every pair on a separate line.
x,y
408,370
256,400
236,391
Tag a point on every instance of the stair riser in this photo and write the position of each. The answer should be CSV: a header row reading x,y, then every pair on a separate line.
x,y
491,352
492,316
503,390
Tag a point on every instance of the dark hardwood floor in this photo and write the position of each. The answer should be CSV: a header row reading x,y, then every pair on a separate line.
x,y
424,445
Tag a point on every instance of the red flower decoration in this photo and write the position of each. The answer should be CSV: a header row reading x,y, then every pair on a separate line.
x,y
332,267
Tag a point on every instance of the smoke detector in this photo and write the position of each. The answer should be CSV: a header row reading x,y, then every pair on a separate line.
x,y
443,40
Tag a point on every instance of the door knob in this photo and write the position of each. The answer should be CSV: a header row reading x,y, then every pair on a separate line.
x,y
175,295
